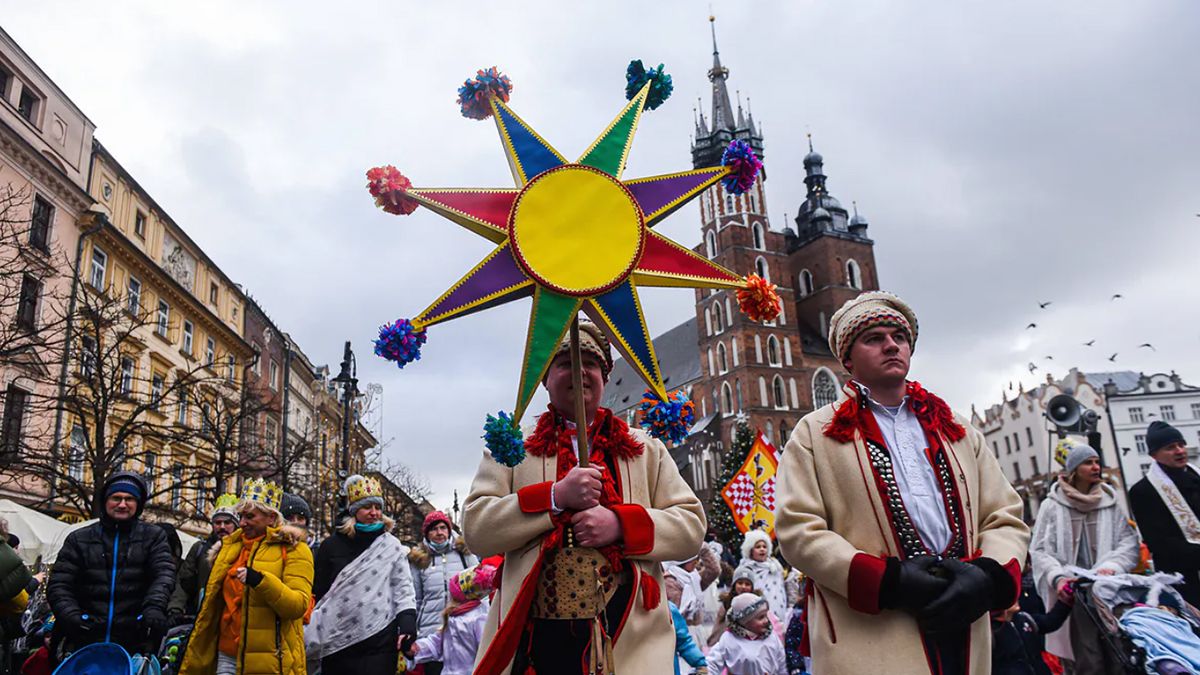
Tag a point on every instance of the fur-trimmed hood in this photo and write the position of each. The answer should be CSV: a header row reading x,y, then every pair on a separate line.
x,y
421,555
752,537
286,535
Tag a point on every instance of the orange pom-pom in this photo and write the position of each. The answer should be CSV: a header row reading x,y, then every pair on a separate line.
x,y
758,299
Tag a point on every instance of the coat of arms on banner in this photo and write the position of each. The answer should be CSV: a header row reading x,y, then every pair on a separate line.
x,y
750,495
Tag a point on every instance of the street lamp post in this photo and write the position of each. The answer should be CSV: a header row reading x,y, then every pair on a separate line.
x,y
348,380
1110,390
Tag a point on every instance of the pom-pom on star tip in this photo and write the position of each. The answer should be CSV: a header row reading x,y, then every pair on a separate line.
x,y
503,439
636,77
400,342
475,94
744,166
759,300
390,188
670,419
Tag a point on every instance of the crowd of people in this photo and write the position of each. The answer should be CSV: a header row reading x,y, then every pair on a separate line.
x,y
897,542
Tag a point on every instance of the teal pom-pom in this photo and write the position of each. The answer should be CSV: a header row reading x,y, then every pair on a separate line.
x,y
668,420
503,439
636,77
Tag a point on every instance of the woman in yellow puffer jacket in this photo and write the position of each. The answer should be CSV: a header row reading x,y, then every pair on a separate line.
x,y
251,621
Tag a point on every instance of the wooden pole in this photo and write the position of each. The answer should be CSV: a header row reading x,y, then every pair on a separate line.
x,y
581,422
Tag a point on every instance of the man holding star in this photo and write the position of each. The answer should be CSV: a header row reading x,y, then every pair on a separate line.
x,y
630,507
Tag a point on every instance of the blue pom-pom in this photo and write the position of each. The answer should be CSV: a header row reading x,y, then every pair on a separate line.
x,y
503,439
636,77
474,94
670,419
744,165
400,342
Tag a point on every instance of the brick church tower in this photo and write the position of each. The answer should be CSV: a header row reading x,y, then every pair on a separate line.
x,y
772,373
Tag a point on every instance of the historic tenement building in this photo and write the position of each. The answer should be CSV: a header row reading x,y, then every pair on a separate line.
x,y
772,373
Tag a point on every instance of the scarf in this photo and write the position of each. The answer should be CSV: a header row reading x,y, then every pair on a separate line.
x,y
465,607
1175,503
1079,501
365,528
361,601
608,437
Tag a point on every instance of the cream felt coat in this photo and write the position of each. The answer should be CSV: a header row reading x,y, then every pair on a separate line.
x,y
670,527
829,510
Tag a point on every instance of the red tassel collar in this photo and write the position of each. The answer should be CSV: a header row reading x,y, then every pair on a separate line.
x,y
608,434
931,411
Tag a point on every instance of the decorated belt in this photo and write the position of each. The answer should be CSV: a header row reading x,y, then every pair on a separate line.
x,y
575,583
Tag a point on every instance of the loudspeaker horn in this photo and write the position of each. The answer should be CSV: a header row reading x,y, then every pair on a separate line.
x,y
1064,411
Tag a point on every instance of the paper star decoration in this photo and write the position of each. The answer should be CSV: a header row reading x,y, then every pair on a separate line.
x,y
574,236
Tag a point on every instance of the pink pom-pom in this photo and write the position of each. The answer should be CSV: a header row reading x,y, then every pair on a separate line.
x,y
390,188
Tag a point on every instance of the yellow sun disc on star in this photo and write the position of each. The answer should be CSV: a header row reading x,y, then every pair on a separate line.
x,y
577,230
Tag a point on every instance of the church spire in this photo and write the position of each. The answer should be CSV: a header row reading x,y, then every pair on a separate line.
x,y
722,115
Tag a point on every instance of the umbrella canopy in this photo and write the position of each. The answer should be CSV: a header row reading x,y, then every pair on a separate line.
x,y
37,531
51,554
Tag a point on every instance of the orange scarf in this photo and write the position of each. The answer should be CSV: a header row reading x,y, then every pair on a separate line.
x,y
232,592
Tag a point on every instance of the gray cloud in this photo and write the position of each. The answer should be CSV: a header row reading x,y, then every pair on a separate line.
x,y
1006,153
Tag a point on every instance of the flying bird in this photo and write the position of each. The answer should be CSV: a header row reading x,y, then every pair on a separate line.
x,y
1043,305
1116,295
1113,358
1089,343
1032,366
1032,325
1147,344
1049,358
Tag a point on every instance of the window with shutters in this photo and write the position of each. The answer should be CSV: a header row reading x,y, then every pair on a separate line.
x,y
16,400
31,290
39,225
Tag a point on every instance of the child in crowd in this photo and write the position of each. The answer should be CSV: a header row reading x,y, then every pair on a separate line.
x,y
458,640
749,646
743,582
685,647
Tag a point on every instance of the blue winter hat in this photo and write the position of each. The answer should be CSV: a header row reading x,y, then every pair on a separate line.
x,y
126,485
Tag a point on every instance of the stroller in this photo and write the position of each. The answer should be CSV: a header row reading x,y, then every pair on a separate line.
x,y
1106,600
174,646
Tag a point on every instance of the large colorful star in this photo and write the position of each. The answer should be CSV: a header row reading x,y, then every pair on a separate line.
x,y
575,237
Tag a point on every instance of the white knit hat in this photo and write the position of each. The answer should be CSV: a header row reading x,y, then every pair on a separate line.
x,y
877,308
1078,454
745,606
752,537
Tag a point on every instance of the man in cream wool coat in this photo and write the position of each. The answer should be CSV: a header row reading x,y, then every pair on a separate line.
x,y
898,512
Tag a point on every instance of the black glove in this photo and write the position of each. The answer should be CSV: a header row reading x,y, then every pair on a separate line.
x,y
253,577
406,627
969,596
90,624
154,621
910,585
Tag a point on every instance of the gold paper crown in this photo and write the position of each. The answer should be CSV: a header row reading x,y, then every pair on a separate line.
x,y
367,487
264,492
226,501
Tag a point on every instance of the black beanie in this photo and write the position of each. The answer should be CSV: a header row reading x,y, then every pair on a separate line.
x,y
1160,435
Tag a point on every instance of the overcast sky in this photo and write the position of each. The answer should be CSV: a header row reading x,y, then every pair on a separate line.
x,y
1005,153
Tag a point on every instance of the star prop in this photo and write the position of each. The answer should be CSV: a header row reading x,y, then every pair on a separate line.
x,y
574,236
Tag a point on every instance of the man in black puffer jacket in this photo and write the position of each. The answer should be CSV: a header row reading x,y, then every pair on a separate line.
x,y
113,578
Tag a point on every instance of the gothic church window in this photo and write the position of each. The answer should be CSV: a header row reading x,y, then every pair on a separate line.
x,y
760,267
722,358
777,393
853,274
759,239
718,318
762,391
710,243
773,351
728,204
825,389
726,399
806,283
